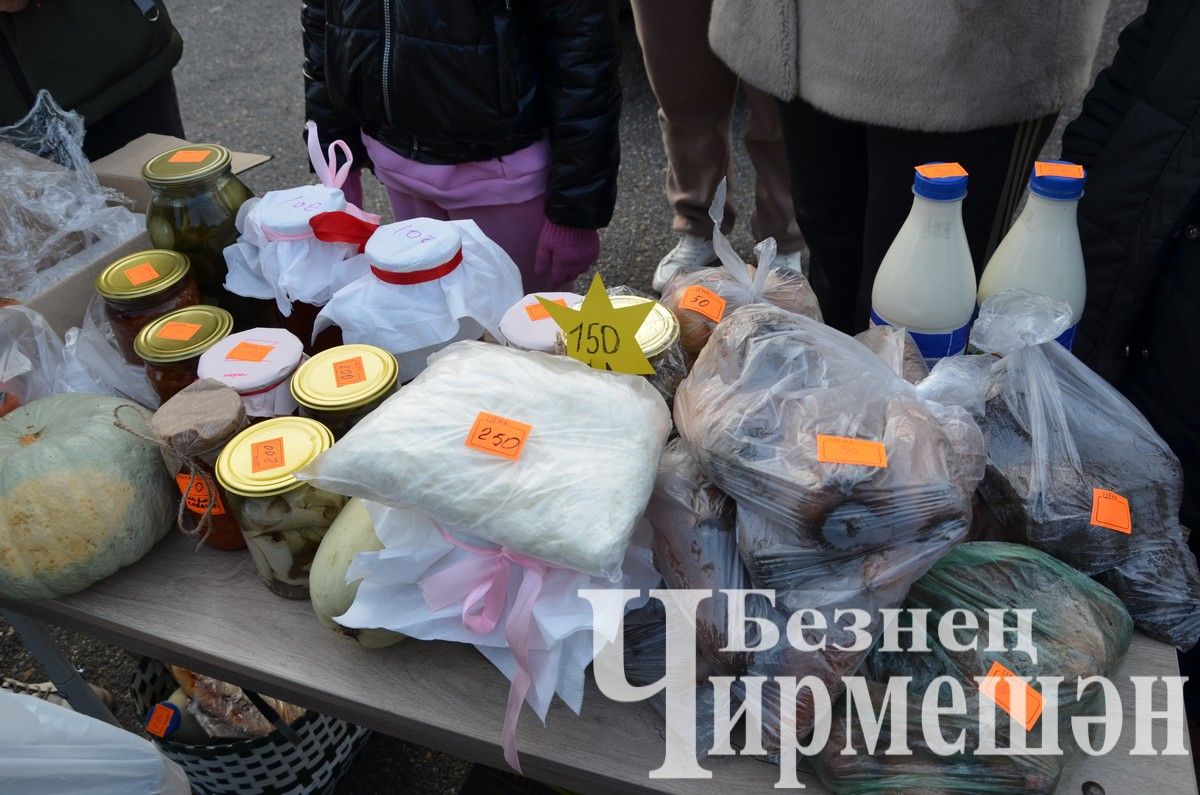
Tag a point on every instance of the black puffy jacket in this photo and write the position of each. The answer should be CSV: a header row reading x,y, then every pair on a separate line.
x,y
454,81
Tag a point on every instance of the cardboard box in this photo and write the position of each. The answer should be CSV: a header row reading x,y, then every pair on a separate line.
x,y
122,169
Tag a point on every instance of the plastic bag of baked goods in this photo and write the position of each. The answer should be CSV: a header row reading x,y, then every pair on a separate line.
x,y
1079,473
539,453
896,347
1079,629
701,298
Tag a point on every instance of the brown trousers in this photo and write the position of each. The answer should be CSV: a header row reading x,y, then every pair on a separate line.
x,y
696,92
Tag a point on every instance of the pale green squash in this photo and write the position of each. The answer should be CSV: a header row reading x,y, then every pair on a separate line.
x,y
79,497
350,533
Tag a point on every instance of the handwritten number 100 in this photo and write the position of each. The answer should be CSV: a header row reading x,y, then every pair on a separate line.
x,y
600,337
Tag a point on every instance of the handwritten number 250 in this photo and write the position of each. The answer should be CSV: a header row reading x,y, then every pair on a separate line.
x,y
501,441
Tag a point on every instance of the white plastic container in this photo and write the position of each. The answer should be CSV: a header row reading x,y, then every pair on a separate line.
x,y
926,282
528,326
1041,253
258,365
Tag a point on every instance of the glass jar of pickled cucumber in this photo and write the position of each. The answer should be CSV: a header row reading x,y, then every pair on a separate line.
x,y
141,287
283,519
171,345
342,385
194,202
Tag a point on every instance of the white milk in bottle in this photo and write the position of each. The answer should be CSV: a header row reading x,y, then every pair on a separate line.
x,y
926,281
1041,253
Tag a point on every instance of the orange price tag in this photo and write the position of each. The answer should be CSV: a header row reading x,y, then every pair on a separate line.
x,y
1110,510
999,686
189,156
703,301
198,496
140,274
538,312
178,330
266,455
498,435
1043,169
349,371
941,170
160,720
845,450
249,352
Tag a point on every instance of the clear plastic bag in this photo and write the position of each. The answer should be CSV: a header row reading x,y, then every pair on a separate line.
x,y
1079,628
571,498
93,357
54,206
896,347
737,283
31,358
225,712
1060,441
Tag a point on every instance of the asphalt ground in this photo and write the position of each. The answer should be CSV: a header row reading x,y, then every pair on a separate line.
x,y
240,85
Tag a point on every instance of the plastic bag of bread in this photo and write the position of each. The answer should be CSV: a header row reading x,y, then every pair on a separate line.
x,y
1079,629
1077,472
896,347
224,711
702,298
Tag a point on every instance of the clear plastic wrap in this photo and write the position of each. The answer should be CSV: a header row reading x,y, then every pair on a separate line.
x,y
896,347
571,498
737,283
225,712
31,358
1080,629
54,207
93,355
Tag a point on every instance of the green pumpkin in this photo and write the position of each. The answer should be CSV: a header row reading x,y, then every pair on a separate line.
x,y
350,533
79,497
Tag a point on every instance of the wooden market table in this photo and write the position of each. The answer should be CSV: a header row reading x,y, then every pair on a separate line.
x,y
208,611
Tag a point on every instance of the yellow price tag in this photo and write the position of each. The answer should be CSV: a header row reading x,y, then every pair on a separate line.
x,y
600,335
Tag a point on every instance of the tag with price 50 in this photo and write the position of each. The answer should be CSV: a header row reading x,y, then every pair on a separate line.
x,y
703,301
498,436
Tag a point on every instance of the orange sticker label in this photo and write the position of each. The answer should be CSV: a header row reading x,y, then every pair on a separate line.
x,y
140,274
189,156
1000,684
1043,169
703,301
266,455
160,720
178,330
498,435
845,450
1111,510
349,371
249,352
538,312
199,494
941,170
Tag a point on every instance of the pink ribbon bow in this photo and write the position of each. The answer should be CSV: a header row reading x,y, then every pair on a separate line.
x,y
325,167
481,583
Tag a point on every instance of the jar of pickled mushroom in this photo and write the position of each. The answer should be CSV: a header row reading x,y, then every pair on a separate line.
x,y
142,287
171,346
342,385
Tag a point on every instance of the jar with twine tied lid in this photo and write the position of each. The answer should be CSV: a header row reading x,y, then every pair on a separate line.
x,y
190,430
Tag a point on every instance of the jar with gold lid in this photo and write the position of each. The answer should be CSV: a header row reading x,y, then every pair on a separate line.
x,y
141,287
171,345
283,519
342,385
193,208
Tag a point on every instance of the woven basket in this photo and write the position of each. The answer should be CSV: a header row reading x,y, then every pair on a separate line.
x,y
262,766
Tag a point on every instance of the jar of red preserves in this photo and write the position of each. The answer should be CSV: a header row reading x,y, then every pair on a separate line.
x,y
171,345
142,287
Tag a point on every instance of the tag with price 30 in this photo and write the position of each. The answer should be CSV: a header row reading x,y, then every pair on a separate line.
x,y
498,436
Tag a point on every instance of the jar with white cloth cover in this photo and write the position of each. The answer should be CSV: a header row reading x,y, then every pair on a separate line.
x,y
257,364
430,283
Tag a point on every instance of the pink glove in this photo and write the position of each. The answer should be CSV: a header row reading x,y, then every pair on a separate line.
x,y
352,188
563,253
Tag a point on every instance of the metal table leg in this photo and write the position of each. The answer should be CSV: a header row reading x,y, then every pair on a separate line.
x,y
62,674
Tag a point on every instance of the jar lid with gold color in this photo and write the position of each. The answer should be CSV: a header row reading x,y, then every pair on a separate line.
x,y
143,274
344,378
660,329
183,334
261,460
186,164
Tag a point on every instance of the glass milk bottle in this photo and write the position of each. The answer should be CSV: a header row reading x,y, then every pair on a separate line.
x,y
926,282
1041,253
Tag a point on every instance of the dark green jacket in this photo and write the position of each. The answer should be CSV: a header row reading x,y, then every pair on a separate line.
x,y
93,56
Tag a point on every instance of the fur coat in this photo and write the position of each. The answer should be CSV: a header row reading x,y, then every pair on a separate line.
x,y
928,65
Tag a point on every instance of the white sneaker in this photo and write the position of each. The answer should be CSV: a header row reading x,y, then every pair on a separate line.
x,y
689,253
797,262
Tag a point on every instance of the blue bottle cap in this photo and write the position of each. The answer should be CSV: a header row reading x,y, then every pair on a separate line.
x,y
941,182
1057,179
163,719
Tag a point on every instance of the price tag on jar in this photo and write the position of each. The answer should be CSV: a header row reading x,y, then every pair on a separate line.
x,y
498,436
140,274
600,335
249,352
267,454
847,450
178,330
1012,695
349,371
703,301
538,312
198,496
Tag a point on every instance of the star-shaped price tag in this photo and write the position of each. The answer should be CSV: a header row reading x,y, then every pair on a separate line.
x,y
601,335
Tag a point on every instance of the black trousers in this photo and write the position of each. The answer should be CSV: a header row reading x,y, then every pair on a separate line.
x,y
852,188
155,110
